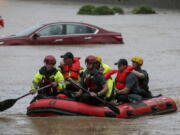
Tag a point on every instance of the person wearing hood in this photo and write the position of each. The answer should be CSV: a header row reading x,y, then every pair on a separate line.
x,y
48,74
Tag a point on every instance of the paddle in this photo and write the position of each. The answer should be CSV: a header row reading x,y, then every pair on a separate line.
x,y
110,106
10,102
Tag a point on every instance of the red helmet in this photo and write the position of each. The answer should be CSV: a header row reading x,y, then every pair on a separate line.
x,y
50,59
90,59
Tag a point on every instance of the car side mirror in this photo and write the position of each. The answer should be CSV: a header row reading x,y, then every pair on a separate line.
x,y
35,36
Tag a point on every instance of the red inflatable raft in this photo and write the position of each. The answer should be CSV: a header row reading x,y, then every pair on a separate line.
x,y
64,106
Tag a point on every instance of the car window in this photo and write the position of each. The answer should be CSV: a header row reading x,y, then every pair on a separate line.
x,y
52,30
78,29
28,31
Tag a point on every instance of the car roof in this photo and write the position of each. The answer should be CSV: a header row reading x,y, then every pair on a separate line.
x,y
74,23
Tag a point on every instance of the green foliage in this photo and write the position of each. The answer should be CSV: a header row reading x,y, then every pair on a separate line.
x,y
86,9
103,10
93,10
118,10
143,10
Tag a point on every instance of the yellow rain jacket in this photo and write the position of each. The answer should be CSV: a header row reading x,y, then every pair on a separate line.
x,y
56,76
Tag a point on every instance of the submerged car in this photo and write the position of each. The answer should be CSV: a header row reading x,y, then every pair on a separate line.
x,y
61,33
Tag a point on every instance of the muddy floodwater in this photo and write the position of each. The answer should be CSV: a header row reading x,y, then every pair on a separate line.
x,y
154,37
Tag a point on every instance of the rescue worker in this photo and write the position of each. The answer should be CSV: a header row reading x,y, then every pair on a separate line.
x,y
126,83
48,74
70,68
141,74
93,81
104,68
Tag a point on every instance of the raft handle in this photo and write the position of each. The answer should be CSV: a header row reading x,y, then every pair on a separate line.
x,y
154,108
168,104
130,113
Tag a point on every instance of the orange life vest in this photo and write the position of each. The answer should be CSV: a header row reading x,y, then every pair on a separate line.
x,y
73,70
121,77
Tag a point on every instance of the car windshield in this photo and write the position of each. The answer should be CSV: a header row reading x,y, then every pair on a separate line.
x,y
28,31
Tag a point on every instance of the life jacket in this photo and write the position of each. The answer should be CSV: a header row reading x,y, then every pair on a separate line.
x,y
46,81
121,77
72,71
47,78
48,91
90,83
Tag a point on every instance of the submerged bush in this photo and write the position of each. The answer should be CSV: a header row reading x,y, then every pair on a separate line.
x,y
103,10
143,10
93,10
118,10
86,9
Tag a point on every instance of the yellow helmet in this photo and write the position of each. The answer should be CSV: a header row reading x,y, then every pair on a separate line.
x,y
137,59
99,59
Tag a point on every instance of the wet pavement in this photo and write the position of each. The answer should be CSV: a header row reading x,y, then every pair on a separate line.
x,y
154,37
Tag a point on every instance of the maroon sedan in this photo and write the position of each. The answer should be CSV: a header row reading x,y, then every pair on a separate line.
x,y
61,33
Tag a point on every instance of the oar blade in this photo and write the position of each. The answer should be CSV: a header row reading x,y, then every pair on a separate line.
x,y
4,105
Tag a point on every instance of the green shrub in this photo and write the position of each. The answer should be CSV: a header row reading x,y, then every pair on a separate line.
x,y
143,10
103,10
86,9
118,10
92,10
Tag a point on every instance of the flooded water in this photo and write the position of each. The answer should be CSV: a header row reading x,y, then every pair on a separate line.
x,y
154,37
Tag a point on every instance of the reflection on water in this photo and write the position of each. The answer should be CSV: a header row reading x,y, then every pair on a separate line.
x,y
154,37
148,125
79,125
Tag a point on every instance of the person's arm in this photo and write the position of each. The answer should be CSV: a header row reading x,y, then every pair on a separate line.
x,y
35,83
123,91
59,79
138,74
103,91
102,82
79,93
